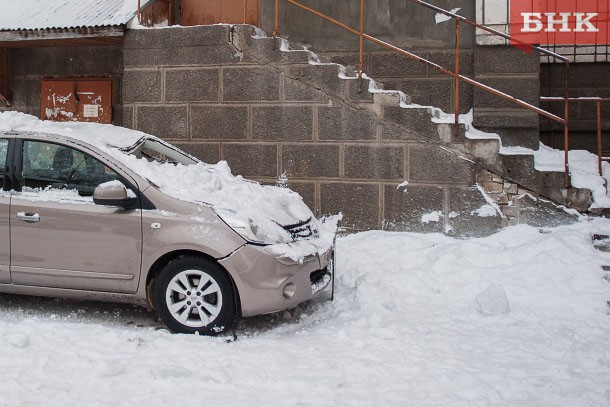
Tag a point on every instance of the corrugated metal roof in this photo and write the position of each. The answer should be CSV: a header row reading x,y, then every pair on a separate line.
x,y
46,14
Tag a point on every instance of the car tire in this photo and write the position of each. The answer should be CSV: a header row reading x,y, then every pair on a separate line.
x,y
194,295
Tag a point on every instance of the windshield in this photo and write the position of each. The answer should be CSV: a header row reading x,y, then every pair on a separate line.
x,y
155,150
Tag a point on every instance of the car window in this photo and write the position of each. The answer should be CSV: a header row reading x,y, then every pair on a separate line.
x,y
47,165
3,154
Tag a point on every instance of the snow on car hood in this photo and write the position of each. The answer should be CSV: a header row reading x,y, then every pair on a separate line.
x,y
263,207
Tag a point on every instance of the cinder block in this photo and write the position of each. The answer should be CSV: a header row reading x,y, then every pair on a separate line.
x,y
524,88
466,217
141,86
319,76
417,124
206,152
434,164
505,59
382,163
346,123
193,85
200,35
391,65
201,55
251,160
283,123
169,122
310,160
446,59
250,84
404,208
219,122
296,90
359,204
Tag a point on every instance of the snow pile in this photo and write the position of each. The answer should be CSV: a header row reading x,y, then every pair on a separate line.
x,y
515,319
263,209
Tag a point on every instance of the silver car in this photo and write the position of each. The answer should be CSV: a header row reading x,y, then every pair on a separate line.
x,y
129,218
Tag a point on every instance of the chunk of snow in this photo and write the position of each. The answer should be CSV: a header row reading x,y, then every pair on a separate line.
x,y
434,216
493,301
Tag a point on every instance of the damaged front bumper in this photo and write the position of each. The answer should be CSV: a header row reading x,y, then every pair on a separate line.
x,y
268,283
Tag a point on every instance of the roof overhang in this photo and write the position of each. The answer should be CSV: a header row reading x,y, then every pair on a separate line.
x,y
62,37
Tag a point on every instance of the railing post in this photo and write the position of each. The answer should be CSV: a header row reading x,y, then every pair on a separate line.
x,y
566,137
456,108
361,60
599,137
277,23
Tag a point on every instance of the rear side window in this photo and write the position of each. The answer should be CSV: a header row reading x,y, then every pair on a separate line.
x,y
47,165
3,154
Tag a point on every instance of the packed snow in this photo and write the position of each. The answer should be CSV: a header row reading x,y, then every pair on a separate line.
x,y
515,319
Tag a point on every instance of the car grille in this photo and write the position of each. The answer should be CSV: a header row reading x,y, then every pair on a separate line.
x,y
302,230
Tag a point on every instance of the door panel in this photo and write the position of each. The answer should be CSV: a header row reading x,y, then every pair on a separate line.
x,y
201,12
80,245
59,237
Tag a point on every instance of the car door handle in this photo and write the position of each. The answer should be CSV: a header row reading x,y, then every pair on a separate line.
x,y
28,216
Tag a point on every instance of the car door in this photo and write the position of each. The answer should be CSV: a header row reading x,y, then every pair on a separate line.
x,y
5,200
59,237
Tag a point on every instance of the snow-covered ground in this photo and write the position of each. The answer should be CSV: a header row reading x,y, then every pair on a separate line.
x,y
515,319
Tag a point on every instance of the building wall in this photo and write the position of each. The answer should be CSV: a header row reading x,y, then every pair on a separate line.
x,y
30,65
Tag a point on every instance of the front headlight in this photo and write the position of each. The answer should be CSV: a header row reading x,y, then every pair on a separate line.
x,y
250,231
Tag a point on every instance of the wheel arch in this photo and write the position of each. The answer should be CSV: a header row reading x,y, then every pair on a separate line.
x,y
162,261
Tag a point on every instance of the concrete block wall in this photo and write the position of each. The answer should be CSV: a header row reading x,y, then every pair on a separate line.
x,y
219,93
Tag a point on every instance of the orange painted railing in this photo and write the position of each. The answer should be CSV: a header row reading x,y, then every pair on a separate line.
x,y
456,73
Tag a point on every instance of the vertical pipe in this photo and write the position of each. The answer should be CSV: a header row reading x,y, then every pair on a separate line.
x,y
361,61
139,19
566,136
599,137
277,23
456,107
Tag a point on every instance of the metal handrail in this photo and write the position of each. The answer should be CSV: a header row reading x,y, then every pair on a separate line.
x,y
598,103
456,75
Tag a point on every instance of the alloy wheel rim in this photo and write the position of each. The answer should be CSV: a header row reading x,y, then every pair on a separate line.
x,y
193,298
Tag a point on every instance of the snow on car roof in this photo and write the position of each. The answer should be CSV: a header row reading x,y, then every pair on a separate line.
x,y
265,208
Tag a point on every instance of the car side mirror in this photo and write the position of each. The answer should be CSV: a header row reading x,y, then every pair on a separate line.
x,y
114,193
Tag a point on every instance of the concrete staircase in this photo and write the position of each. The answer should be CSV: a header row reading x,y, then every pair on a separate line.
x,y
420,123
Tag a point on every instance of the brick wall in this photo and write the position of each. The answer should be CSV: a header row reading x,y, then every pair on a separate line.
x,y
225,95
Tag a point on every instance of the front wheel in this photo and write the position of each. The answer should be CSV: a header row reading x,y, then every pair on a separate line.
x,y
194,295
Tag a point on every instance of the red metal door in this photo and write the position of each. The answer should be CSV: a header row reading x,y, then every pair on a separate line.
x,y
200,12
83,100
